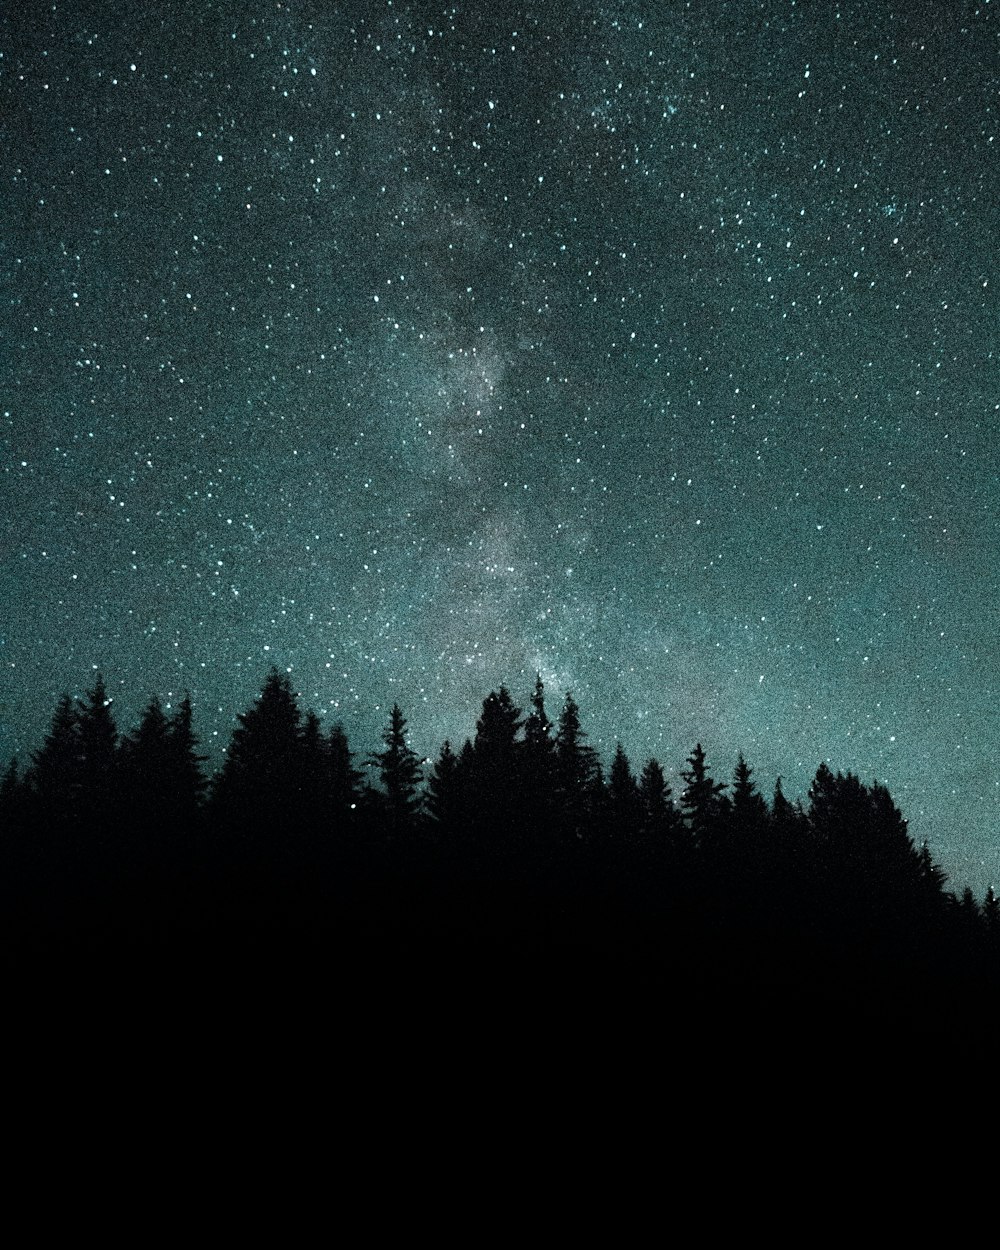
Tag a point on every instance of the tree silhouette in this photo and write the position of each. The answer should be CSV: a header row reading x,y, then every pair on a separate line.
x,y
56,772
624,798
577,771
496,731
798,897
931,874
660,818
261,778
537,752
189,781
537,726
701,800
148,783
785,817
495,760
400,775
445,805
344,778
313,780
748,807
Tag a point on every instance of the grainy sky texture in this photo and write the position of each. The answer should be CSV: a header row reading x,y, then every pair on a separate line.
x,y
417,347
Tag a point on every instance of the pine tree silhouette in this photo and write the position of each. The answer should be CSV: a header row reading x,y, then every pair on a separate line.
x,y
537,726
260,784
624,798
538,759
447,799
494,777
701,800
189,781
577,771
345,779
56,773
660,818
400,775
748,807
837,895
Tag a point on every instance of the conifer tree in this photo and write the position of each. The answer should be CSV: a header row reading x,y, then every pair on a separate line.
x,y
537,726
701,799
497,729
97,732
99,799
991,922
661,820
495,758
538,752
400,774
189,780
623,795
313,779
56,770
748,806
445,799
260,779
931,874
862,828
145,766
345,779
576,761
577,772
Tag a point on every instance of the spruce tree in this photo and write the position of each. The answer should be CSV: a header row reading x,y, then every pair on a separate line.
x,y
400,775
660,818
190,783
783,814
145,766
56,769
97,733
701,799
313,779
345,779
260,780
100,797
446,802
494,777
538,753
625,803
748,807
537,726
931,874
497,729
577,771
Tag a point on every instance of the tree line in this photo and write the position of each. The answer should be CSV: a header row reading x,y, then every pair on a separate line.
x,y
519,839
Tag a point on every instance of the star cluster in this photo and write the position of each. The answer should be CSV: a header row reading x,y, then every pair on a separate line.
x,y
418,347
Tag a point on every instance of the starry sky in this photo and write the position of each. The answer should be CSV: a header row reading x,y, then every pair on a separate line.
x,y
418,347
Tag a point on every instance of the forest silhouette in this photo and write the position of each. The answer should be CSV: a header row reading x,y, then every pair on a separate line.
x,y
515,868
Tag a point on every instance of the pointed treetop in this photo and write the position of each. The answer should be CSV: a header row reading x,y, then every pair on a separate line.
x,y
538,727
498,724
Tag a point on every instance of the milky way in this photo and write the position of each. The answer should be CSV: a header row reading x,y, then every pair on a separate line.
x,y
418,348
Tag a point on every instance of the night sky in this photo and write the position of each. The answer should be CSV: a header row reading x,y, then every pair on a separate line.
x,y
417,347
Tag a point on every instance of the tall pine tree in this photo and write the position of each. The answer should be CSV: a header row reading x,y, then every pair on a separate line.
x,y
399,801
701,799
